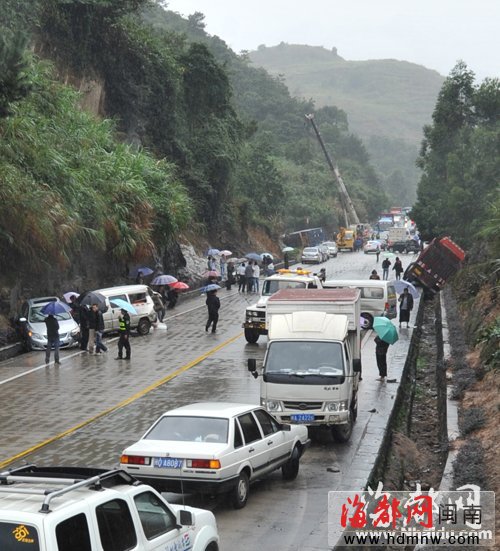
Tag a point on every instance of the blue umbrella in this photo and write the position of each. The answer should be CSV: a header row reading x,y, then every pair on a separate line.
x,y
400,285
55,307
123,304
213,252
211,287
145,271
385,329
254,256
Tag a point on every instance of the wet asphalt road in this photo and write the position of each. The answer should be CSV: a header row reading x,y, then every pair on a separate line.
x,y
85,411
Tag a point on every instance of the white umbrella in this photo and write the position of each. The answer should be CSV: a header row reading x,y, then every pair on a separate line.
x,y
225,253
400,285
287,250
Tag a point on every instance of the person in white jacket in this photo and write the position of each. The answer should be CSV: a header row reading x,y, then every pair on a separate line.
x,y
256,275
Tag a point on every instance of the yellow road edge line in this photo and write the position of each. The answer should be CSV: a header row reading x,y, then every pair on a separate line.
x,y
121,404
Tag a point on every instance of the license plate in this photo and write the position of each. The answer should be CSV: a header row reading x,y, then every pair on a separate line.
x,y
167,463
302,417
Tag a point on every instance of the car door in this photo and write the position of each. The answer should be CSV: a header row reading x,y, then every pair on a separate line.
x,y
255,448
278,441
159,524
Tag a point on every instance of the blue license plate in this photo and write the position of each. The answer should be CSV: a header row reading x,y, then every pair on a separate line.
x,y
167,463
302,417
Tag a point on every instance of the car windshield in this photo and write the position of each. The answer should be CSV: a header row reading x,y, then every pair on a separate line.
x,y
272,286
181,428
310,250
305,358
36,316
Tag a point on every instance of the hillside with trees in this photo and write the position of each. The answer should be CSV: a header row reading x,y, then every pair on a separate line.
x,y
169,131
387,103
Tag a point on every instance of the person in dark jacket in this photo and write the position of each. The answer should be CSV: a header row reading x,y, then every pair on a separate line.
x,y
52,338
405,307
381,355
213,305
374,275
386,264
124,333
398,267
84,327
98,322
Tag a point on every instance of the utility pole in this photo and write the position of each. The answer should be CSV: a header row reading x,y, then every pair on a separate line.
x,y
347,205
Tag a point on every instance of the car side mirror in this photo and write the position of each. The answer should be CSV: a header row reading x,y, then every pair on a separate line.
x,y
184,518
286,427
356,366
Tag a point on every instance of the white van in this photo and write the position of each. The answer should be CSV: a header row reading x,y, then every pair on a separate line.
x,y
140,297
378,297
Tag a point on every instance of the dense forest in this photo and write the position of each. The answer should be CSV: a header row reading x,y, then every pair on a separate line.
x,y
186,136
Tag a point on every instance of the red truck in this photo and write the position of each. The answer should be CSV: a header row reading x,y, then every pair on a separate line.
x,y
436,263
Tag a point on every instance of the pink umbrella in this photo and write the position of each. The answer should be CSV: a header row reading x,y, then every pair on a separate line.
x,y
179,285
211,273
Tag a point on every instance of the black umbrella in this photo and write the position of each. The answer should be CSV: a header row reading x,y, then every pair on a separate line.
x,y
88,298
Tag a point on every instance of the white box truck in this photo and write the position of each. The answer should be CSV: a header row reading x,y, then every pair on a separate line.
x,y
312,365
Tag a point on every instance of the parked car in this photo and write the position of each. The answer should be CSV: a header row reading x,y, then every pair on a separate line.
x,y
372,247
138,296
332,248
87,509
324,251
311,254
35,330
410,246
214,448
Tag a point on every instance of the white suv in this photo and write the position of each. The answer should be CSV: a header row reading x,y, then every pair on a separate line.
x,y
80,509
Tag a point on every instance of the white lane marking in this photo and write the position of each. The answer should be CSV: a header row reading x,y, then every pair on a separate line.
x,y
51,363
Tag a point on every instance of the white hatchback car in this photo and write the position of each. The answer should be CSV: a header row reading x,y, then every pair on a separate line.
x,y
215,447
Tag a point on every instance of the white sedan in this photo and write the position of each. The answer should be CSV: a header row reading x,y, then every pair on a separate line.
x,y
215,447
372,247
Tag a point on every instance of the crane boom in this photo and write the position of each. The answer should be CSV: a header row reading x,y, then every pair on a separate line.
x,y
350,214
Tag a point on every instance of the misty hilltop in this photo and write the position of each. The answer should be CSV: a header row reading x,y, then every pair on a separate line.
x,y
386,97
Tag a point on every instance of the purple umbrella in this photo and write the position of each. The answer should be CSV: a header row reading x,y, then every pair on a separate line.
x,y
164,279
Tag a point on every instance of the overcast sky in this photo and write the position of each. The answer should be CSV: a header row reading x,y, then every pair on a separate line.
x,y
433,33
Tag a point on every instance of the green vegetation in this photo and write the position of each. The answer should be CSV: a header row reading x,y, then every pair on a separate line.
x,y
67,186
387,102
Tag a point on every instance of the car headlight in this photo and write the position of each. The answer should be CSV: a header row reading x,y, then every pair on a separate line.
x,y
272,405
337,406
75,332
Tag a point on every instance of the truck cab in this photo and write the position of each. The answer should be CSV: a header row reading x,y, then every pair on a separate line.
x,y
312,365
255,315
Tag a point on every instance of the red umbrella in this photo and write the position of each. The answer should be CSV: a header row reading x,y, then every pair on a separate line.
x,y
211,273
179,285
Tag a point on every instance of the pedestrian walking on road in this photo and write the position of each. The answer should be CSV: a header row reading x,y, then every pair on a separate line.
x,y
286,261
398,267
381,355
377,253
213,305
249,276
405,307
124,333
242,278
52,338
223,263
84,327
92,320
374,275
386,264
230,275
99,330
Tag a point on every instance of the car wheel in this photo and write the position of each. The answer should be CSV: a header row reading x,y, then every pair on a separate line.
x,y
212,547
241,491
290,469
369,320
342,433
144,326
251,336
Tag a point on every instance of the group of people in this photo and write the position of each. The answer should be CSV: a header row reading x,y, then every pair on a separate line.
x,y
381,347
248,277
386,264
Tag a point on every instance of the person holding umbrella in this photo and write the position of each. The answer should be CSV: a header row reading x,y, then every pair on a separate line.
x,y
381,355
124,332
405,307
98,324
52,338
213,305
